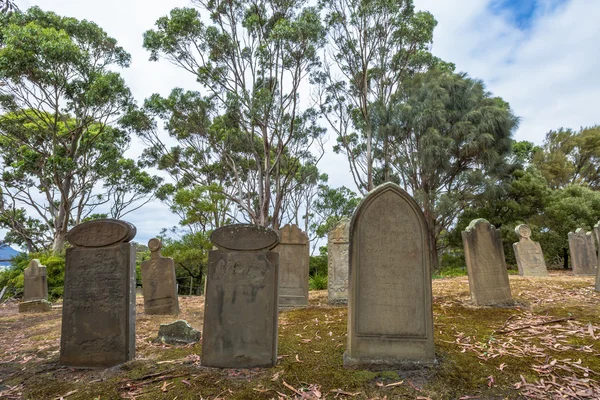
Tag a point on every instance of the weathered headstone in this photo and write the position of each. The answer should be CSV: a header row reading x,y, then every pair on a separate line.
x,y
98,321
35,288
338,242
530,259
597,231
293,252
486,265
583,252
178,332
390,317
240,309
159,283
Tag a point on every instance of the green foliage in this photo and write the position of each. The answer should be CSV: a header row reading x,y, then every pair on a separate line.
x,y
331,206
317,282
55,269
318,265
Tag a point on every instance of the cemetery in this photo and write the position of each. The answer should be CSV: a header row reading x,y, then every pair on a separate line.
x,y
299,200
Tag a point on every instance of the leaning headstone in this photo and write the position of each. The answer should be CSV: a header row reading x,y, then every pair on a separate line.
x,y
530,259
337,259
35,288
597,231
178,332
159,284
583,252
98,321
390,317
486,265
293,249
240,309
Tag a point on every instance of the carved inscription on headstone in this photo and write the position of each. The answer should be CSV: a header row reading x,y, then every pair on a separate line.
x,y
159,283
583,252
240,309
293,252
530,259
98,322
390,319
486,265
337,258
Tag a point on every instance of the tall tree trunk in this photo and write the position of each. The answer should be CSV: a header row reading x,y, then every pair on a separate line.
x,y
431,229
369,158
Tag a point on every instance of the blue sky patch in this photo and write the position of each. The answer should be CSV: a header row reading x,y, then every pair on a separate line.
x,y
523,12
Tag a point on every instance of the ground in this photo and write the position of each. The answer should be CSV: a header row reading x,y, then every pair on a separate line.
x,y
547,347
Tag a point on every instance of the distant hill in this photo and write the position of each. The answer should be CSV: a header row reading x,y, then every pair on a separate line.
x,y
6,253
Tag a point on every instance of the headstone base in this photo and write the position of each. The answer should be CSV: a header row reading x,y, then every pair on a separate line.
x,y
35,306
338,302
385,364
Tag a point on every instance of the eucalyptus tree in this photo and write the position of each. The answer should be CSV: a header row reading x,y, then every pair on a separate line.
x,y
374,46
253,60
61,149
450,135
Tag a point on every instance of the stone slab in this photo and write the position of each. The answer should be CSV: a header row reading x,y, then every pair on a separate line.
x,y
240,310
529,256
35,281
486,265
98,321
33,306
583,252
338,245
159,282
178,332
390,317
597,231
294,260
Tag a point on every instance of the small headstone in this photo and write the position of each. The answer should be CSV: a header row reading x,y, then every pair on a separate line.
x,y
178,332
240,309
338,242
159,283
35,288
98,320
390,317
35,306
486,265
597,231
294,260
583,252
530,259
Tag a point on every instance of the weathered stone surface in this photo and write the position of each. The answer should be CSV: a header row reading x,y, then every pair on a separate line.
x,y
338,243
486,265
530,259
583,252
597,231
101,232
244,237
98,321
390,317
35,306
178,332
35,281
159,283
240,309
293,252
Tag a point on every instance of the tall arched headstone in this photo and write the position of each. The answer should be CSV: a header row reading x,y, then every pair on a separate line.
x,y
486,265
240,308
530,259
35,288
98,320
158,282
293,249
583,252
390,317
597,231
338,243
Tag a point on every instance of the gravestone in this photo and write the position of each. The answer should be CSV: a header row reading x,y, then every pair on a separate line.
x,y
35,288
158,282
293,252
178,332
390,317
98,320
583,252
597,231
240,308
486,265
530,259
337,258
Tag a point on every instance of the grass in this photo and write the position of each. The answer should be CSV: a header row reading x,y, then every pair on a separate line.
x,y
474,359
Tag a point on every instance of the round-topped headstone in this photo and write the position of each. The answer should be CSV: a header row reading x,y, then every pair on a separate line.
x,y
523,231
244,237
101,233
154,244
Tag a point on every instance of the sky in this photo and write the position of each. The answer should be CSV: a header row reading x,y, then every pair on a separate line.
x,y
541,56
